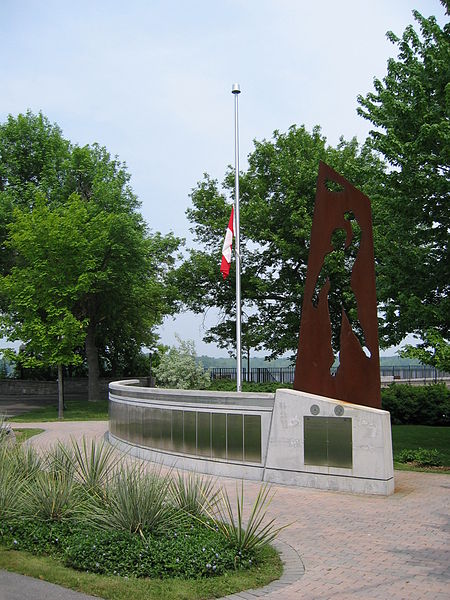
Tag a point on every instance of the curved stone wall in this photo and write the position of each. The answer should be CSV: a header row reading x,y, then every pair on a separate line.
x,y
222,433
290,437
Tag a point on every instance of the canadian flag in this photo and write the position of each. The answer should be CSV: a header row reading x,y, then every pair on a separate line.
x,y
226,250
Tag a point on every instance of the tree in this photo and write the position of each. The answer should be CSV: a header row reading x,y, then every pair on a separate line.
x,y
33,156
410,112
178,368
433,350
93,241
277,202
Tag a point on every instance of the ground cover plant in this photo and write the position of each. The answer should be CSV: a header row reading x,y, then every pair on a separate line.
x,y
81,507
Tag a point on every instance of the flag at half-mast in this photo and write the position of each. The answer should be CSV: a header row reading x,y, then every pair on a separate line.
x,y
227,245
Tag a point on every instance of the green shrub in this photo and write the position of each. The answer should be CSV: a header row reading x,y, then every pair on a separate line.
x,y
178,368
421,405
130,521
422,457
229,385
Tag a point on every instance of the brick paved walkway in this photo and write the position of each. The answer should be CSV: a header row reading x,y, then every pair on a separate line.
x,y
358,547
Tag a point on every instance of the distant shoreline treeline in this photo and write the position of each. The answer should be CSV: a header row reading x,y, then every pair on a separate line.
x,y
210,362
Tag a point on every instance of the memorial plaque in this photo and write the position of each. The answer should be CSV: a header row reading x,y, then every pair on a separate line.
x,y
235,437
204,434
219,435
177,430
252,438
328,441
166,429
190,432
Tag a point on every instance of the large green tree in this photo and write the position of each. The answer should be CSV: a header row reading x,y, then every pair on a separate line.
x,y
409,109
277,203
75,210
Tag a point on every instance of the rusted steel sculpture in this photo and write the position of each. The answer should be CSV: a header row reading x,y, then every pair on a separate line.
x,y
341,231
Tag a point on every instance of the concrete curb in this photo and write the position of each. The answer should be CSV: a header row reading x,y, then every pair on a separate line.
x,y
293,570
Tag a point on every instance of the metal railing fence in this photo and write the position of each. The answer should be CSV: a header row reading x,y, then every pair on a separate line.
x,y
286,374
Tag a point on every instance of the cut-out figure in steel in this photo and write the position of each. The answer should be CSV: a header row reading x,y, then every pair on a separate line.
x,y
337,269
340,277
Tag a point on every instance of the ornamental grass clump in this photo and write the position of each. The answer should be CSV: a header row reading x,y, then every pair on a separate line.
x,y
138,501
259,530
50,496
92,465
25,460
193,493
81,505
11,484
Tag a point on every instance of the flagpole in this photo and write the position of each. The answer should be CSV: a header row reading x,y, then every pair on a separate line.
x,y
236,90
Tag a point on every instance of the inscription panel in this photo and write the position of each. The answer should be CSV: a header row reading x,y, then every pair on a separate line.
x,y
328,441
232,436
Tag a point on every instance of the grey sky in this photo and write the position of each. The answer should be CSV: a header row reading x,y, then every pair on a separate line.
x,y
151,80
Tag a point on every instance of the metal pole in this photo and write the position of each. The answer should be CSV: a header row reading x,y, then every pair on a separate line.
x,y
236,90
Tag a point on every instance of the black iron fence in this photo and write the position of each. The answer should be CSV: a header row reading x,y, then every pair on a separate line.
x,y
257,374
286,374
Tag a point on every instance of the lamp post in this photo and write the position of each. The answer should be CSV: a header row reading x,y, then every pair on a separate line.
x,y
236,90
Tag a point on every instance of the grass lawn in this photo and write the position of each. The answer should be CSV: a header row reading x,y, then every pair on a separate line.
x,y
120,588
76,410
421,436
22,435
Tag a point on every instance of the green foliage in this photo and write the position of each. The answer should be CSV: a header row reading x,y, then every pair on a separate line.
x,y
178,368
229,385
38,537
51,496
424,405
190,552
136,501
276,210
11,484
267,568
409,111
422,457
68,225
434,351
258,532
138,522
186,552
193,493
91,465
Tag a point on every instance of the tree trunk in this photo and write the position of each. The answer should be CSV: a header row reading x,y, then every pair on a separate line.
x,y
60,393
92,364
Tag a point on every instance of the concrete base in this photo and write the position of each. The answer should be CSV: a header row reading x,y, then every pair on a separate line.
x,y
371,471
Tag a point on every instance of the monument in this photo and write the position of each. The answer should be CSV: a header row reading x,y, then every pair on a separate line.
x,y
357,379
328,432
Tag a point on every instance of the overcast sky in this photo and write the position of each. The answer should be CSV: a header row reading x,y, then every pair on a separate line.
x,y
151,80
